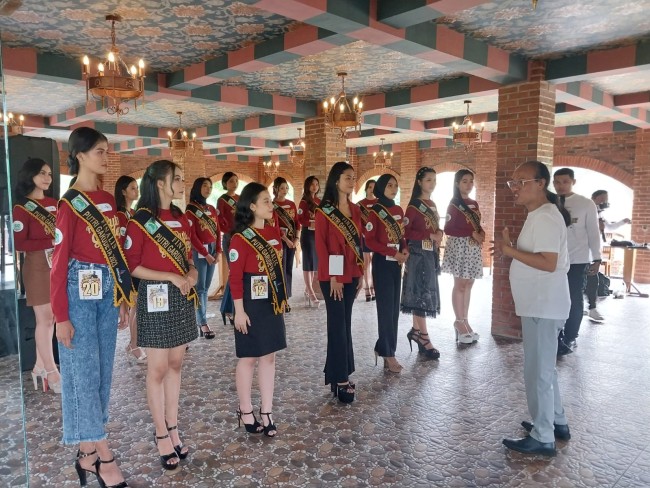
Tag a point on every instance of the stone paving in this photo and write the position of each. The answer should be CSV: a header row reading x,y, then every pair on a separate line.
x,y
439,423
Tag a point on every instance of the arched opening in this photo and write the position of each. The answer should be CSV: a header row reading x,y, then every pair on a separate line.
x,y
444,192
218,189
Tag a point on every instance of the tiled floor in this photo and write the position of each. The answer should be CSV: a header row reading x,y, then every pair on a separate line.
x,y
439,423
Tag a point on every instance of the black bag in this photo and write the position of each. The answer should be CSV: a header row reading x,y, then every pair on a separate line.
x,y
603,286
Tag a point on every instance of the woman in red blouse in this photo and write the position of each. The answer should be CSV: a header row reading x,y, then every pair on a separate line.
x,y
420,291
462,256
338,245
88,298
226,205
385,238
365,205
126,194
34,220
205,241
306,217
158,250
257,286
286,215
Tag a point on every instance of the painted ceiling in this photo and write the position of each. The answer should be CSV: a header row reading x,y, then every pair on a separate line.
x,y
555,27
179,32
444,110
625,83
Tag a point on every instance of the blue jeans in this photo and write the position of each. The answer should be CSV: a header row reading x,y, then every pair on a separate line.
x,y
87,367
206,272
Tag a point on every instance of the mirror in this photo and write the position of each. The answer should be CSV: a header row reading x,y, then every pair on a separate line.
x,y
13,455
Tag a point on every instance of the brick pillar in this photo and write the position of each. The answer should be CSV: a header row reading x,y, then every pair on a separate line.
x,y
193,166
324,147
113,173
641,204
526,132
409,164
484,156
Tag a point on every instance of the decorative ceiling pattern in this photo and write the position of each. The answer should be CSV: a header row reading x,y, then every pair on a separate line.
x,y
556,27
444,110
285,133
371,69
394,138
32,96
582,117
63,135
177,32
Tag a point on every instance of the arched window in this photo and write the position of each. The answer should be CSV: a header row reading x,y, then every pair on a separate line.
x,y
444,192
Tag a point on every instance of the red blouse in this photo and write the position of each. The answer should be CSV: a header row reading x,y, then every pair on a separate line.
x,y
415,225
244,259
124,220
305,217
75,240
226,214
457,225
377,236
200,234
140,250
29,233
330,242
291,209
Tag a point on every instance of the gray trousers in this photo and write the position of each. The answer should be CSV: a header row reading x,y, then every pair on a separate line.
x,y
540,375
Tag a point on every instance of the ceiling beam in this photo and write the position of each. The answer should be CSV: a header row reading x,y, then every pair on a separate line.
x,y
633,100
405,13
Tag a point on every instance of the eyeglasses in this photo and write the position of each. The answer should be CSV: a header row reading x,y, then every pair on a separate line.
x,y
512,184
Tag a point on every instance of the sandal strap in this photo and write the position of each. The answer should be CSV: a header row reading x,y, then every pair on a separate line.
x,y
162,436
173,427
81,455
111,460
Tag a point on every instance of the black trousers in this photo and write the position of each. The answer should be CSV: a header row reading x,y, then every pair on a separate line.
x,y
576,277
339,364
387,276
591,290
287,266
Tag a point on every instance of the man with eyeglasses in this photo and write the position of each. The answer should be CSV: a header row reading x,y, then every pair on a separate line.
x,y
583,241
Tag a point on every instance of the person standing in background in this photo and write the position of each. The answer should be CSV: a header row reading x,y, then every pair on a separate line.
x,y
226,210
365,205
584,243
307,218
287,217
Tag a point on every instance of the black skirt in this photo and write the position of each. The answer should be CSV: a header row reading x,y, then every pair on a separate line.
x,y
165,330
266,334
308,246
420,291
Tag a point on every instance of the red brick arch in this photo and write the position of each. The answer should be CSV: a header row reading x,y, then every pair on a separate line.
x,y
373,172
137,174
603,167
453,167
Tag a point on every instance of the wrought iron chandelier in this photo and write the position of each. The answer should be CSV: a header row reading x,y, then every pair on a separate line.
x,y
467,134
297,154
342,114
179,141
14,125
271,168
114,83
382,159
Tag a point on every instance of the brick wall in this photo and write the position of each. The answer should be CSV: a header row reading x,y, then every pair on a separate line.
x,y
641,208
323,148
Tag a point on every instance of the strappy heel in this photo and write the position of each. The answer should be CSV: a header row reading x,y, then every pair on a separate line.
x,y
178,448
368,295
140,358
102,483
432,353
39,374
253,428
463,337
165,458
342,392
47,384
412,335
208,334
270,427
82,472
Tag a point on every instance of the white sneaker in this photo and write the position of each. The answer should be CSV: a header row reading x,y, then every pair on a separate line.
x,y
595,315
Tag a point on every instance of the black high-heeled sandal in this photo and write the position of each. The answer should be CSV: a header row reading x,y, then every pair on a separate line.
x,y
230,318
254,428
83,472
102,483
178,448
368,295
343,394
165,458
270,427
208,334
422,346
412,335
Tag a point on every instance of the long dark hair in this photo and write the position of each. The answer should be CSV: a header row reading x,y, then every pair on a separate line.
x,y
542,173
276,185
368,183
331,193
82,140
380,188
244,216
121,185
226,176
195,192
25,179
149,196
457,199
306,194
416,193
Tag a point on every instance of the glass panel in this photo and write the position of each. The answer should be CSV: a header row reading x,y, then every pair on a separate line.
x,y
13,455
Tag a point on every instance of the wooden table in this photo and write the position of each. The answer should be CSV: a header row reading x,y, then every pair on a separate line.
x,y
629,263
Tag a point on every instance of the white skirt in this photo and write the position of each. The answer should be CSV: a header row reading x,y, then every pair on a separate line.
x,y
462,258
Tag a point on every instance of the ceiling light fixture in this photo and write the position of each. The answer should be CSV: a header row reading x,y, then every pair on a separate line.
x,y
382,159
297,154
179,141
342,114
466,134
114,83
14,126
271,168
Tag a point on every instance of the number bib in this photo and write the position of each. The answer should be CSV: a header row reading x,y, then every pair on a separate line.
x,y
90,284
48,256
259,287
427,245
157,298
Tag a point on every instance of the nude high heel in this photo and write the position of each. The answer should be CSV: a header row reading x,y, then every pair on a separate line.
x,y
55,387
